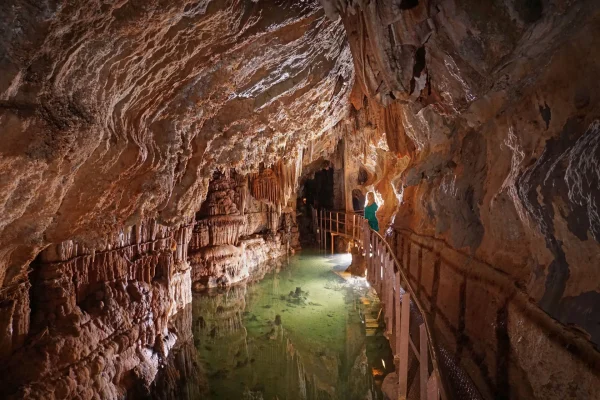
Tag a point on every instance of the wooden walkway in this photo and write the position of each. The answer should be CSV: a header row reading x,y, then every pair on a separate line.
x,y
385,275
335,223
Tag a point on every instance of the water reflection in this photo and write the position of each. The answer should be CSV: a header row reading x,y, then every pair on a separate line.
x,y
299,333
183,377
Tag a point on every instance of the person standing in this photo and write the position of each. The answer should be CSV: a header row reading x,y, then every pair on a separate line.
x,y
370,211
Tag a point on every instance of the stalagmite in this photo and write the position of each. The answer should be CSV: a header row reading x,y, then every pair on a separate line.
x,y
146,145
222,231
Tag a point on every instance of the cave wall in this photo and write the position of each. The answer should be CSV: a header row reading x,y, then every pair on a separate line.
x,y
114,113
475,122
245,221
491,109
114,117
96,322
368,163
104,321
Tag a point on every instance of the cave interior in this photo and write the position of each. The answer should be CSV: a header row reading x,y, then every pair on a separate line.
x,y
153,150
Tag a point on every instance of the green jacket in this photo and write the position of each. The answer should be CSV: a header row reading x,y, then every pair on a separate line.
x,y
371,217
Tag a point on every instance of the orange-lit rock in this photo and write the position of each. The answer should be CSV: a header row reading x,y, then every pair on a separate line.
x,y
115,115
491,110
112,113
149,145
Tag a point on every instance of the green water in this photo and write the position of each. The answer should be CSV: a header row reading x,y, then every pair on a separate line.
x,y
298,333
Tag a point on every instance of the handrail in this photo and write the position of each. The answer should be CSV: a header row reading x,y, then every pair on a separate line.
x,y
426,319
373,252
499,280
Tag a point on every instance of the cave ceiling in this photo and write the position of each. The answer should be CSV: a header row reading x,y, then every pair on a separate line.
x,y
117,111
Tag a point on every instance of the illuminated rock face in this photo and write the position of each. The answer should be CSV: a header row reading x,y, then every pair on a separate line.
x,y
114,113
476,122
235,232
96,322
491,111
113,118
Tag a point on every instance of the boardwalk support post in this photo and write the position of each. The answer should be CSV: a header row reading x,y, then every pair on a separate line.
x,y
386,274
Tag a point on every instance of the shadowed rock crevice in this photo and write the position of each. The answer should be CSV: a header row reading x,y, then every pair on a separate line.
x,y
492,173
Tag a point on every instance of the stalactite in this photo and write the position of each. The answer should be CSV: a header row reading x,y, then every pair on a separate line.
x,y
15,308
81,271
242,192
140,273
278,184
241,212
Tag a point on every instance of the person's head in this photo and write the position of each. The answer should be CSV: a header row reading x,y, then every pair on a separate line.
x,y
371,197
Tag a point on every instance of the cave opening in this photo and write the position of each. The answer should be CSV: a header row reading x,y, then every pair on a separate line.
x,y
315,192
319,190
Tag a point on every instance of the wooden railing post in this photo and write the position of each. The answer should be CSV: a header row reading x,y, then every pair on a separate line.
x,y
382,272
372,251
367,236
397,309
367,247
433,392
332,242
380,264
376,263
403,350
423,361
387,273
389,278
383,293
320,229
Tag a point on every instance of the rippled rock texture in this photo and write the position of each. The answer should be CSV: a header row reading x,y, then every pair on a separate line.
x,y
235,232
491,109
116,111
477,120
114,117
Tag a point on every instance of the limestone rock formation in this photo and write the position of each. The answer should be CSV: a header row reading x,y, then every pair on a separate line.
x,y
491,112
96,322
149,145
235,232
117,112
113,118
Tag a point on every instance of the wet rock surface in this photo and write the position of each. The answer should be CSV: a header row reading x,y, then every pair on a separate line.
x,y
114,117
486,110
148,147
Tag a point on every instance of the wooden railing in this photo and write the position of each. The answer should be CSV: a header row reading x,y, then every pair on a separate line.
x,y
335,223
385,275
